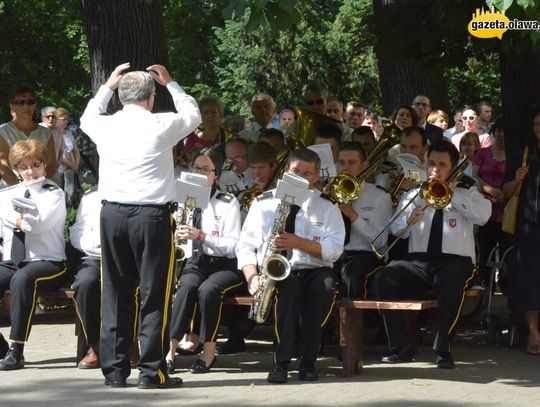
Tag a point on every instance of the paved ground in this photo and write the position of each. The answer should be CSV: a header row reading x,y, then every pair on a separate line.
x,y
487,374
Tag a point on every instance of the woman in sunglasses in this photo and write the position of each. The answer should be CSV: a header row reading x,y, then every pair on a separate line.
x,y
32,217
470,123
23,102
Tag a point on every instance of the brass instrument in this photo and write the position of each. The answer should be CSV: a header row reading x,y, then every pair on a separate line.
x,y
303,134
182,216
435,192
275,267
253,192
346,188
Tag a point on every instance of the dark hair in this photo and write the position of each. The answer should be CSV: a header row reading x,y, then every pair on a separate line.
x,y
415,129
354,104
211,153
445,146
316,87
239,140
363,131
328,130
273,133
497,125
470,107
372,114
481,104
261,152
471,136
411,111
20,89
354,146
306,155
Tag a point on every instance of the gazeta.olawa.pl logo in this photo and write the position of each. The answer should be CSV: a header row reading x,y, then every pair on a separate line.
x,y
494,23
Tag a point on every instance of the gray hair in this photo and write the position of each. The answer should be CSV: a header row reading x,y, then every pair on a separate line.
x,y
47,109
260,96
135,87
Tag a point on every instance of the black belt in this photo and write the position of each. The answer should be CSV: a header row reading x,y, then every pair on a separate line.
x,y
170,206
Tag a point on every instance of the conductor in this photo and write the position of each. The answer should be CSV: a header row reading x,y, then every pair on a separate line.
x,y
137,188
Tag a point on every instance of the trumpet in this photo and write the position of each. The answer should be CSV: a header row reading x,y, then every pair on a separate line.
x,y
436,194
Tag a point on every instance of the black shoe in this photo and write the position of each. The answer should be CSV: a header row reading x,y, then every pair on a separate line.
x,y
278,374
444,360
4,347
12,361
170,366
147,383
306,371
200,366
398,355
232,346
116,383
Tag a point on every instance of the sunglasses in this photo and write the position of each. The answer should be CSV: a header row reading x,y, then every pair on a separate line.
x,y
470,118
50,116
315,102
22,102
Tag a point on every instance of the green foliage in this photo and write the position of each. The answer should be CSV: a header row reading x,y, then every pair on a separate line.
x,y
328,44
42,44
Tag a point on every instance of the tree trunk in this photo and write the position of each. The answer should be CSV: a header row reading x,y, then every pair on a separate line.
x,y
520,87
125,31
409,53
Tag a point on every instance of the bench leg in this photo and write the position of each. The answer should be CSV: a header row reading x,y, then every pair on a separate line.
x,y
351,324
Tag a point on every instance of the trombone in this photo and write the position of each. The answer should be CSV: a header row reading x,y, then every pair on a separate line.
x,y
436,194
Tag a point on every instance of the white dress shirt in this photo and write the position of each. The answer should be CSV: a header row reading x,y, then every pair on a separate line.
x,y
318,219
374,208
45,240
85,231
467,208
135,146
220,220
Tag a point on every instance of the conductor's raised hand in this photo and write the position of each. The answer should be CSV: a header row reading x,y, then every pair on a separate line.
x,y
160,74
116,75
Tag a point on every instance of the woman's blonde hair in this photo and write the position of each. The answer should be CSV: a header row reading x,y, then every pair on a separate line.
x,y
61,112
27,150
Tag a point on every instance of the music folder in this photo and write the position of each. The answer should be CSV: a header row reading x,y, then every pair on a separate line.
x,y
192,190
292,189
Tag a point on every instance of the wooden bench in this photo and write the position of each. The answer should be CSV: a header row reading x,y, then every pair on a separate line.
x,y
82,347
351,327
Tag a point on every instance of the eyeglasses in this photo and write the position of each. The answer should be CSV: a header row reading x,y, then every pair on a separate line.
x,y
418,104
22,102
314,102
201,170
470,118
303,174
34,166
50,116
61,118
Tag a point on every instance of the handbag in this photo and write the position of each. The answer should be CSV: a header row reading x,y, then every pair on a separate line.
x,y
511,208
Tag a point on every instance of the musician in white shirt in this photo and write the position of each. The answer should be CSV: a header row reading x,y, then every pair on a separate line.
x,y
315,238
34,256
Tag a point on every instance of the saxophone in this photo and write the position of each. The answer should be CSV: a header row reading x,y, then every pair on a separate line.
x,y
275,267
182,216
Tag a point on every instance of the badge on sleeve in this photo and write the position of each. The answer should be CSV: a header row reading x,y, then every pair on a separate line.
x,y
316,238
452,223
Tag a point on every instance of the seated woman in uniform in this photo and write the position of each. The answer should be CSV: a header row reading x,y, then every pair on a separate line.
x,y
211,272
33,243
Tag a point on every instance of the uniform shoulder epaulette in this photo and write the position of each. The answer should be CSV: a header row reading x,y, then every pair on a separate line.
x,y
50,187
466,182
265,195
225,197
328,198
382,188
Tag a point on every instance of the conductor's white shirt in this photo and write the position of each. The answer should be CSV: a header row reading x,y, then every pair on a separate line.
x,y
135,146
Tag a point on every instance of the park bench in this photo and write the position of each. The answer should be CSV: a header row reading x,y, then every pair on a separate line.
x,y
60,294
